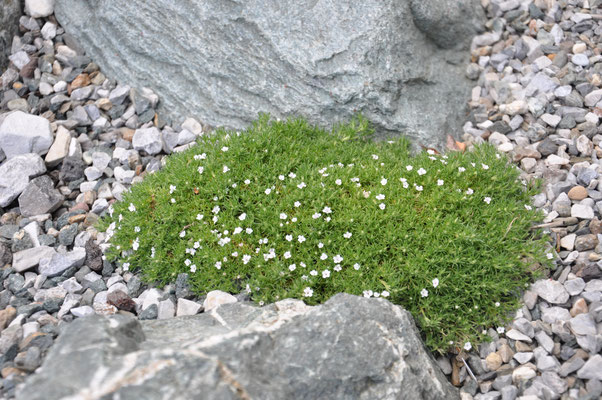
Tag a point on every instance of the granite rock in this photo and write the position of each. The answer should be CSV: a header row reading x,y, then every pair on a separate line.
x,y
10,10
324,61
274,352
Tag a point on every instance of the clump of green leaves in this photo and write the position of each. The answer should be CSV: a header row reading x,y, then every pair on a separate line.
x,y
286,209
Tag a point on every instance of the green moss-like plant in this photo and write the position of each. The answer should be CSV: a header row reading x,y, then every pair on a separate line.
x,y
286,209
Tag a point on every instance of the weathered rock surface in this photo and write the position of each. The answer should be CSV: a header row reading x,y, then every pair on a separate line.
x,y
15,174
22,133
225,62
359,348
10,11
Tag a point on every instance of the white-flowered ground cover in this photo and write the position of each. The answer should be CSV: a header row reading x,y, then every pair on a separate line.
x,y
288,210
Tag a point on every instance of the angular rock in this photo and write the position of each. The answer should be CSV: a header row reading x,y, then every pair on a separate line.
x,y
326,61
377,353
39,8
22,133
148,140
551,291
60,148
121,300
26,259
216,298
40,197
15,175
187,307
592,368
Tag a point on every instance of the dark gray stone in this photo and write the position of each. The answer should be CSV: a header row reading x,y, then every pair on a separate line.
x,y
323,60
40,197
72,169
358,347
10,11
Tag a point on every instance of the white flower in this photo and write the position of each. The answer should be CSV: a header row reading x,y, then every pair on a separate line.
x,y
356,266
487,200
182,234
136,244
288,238
125,266
347,235
283,216
200,170
380,196
200,156
172,188
224,149
424,293
287,255
196,245
337,259
242,216
316,215
308,292
302,264
368,293
327,219
326,210
246,258
325,274
249,230
199,217
337,267
268,191
152,252
473,164
247,181
384,293
313,272
136,229
435,282
301,238
297,204
440,182
338,182
419,188
218,264
301,185
193,268
467,346
323,256
132,207
187,262
528,207
173,200
501,329
216,210
497,303
383,181
374,157
237,230
461,169
469,191
292,267
292,175
382,206
376,294
421,171
485,166
409,167
281,177
225,169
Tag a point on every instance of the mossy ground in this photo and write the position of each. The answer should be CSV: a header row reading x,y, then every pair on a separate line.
x,y
286,209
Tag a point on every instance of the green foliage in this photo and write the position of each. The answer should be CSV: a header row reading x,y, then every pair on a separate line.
x,y
361,215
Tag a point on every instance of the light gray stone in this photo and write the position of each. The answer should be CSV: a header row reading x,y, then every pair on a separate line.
x,y
29,258
347,339
60,147
551,291
22,133
574,286
592,368
187,307
583,324
82,311
215,298
39,8
324,61
148,140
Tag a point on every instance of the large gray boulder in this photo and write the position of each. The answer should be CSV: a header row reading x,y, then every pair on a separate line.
x,y
10,11
348,348
400,63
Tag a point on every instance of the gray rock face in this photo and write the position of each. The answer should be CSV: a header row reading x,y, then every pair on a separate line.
x,y
40,197
10,11
359,348
224,62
